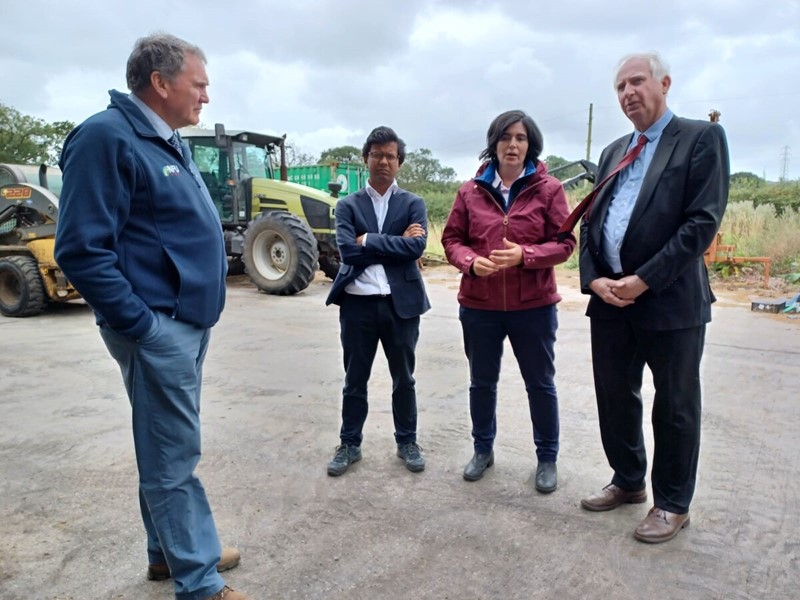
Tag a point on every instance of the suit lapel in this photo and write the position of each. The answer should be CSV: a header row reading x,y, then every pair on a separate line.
x,y
392,212
365,205
666,146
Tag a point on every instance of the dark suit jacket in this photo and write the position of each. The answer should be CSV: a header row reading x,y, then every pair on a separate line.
x,y
355,215
674,220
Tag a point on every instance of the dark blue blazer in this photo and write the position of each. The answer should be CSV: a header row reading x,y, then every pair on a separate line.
x,y
675,218
355,216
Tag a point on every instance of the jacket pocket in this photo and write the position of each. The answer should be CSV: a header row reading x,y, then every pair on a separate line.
x,y
475,287
535,284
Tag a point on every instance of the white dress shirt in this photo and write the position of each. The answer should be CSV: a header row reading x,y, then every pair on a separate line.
x,y
373,280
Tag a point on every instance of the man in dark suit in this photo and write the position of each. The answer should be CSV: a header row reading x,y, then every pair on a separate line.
x,y
381,232
641,259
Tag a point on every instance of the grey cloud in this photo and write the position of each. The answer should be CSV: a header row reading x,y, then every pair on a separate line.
x,y
307,65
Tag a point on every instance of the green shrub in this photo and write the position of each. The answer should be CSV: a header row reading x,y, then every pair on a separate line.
x,y
438,201
768,225
763,231
783,196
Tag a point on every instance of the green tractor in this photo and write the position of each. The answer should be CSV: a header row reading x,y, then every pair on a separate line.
x,y
279,231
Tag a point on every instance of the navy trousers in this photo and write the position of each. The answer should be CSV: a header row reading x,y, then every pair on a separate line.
x,y
620,351
162,374
532,334
365,321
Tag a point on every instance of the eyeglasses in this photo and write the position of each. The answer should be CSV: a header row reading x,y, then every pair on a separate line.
x,y
379,156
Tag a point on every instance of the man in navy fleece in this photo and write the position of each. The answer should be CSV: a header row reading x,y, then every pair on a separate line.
x,y
139,237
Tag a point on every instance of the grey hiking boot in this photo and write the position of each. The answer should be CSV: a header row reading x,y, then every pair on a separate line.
x,y
412,456
344,457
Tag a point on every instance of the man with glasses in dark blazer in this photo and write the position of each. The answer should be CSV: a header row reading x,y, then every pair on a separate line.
x,y
381,232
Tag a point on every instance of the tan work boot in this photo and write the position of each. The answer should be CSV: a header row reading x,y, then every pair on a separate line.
x,y
227,593
229,558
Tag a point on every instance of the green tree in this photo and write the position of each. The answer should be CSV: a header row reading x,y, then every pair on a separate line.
x,y
29,140
783,196
422,171
746,178
342,154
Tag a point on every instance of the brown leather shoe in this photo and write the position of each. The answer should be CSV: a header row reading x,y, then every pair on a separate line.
x,y
229,558
227,593
611,496
660,526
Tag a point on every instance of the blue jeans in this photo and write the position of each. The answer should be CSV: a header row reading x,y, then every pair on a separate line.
x,y
532,334
162,374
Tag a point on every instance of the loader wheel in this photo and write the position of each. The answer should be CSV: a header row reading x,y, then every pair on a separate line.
x,y
280,253
329,265
21,288
235,266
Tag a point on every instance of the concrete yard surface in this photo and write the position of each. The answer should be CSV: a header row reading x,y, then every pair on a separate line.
x,y
69,517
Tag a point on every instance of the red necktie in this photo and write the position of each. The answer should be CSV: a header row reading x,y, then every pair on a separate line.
x,y
586,203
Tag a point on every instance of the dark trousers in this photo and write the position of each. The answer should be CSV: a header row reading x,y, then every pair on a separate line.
x,y
364,321
532,334
620,351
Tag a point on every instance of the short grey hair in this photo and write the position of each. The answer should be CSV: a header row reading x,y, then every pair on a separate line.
x,y
160,52
658,67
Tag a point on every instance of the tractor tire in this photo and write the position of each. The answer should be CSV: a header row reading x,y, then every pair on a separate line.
x,y
21,288
280,253
329,265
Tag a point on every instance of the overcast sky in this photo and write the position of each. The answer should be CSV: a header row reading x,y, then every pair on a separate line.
x,y
437,71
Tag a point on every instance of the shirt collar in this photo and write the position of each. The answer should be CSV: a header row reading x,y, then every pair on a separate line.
x,y
498,181
656,129
160,125
376,196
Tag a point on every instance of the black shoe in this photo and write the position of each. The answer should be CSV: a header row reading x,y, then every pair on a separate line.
x,y
344,457
546,477
479,463
410,453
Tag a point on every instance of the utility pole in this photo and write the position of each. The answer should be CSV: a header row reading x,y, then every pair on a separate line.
x,y
589,136
784,162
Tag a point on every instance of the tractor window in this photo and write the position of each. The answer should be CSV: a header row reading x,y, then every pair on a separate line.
x,y
251,161
212,162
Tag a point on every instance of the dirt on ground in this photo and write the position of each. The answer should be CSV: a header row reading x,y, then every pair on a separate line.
x,y
69,517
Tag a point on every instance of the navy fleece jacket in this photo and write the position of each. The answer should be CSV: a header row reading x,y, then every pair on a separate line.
x,y
137,230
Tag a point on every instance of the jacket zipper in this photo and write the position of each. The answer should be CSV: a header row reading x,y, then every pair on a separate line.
x,y
505,235
493,201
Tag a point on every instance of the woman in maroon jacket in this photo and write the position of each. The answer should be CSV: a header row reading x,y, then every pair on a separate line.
x,y
501,234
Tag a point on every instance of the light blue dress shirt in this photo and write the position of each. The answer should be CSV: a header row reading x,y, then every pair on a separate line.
x,y
162,129
627,185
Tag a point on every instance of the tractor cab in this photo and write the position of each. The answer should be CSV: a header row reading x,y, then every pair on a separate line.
x,y
227,162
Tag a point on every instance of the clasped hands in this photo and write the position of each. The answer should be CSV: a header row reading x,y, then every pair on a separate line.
x,y
619,292
509,256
